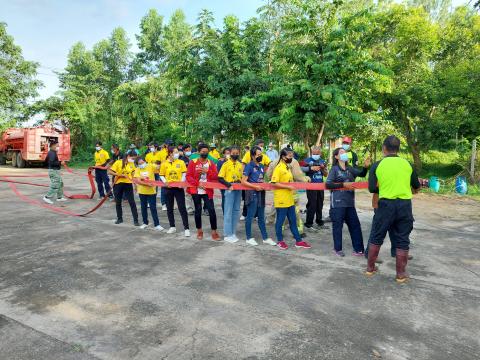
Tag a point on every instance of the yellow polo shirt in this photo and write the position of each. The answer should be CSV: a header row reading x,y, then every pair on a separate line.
x,y
128,170
214,153
101,157
231,171
265,159
150,157
147,173
172,171
161,155
282,198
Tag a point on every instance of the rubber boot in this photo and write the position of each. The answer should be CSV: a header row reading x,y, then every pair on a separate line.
x,y
402,259
373,251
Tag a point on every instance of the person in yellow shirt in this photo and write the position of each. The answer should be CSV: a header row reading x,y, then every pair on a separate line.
x,y
101,158
214,152
283,200
231,173
174,170
160,157
146,192
123,171
265,159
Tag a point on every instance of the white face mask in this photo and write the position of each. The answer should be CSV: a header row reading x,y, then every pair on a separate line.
x,y
142,166
131,160
152,149
98,148
175,156
188,153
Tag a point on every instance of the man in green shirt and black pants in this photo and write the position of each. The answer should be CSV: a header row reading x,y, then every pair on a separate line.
x,y
393,178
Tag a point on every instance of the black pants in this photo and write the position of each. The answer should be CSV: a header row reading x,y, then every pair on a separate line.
x,y
149,201
396,218
393,249
120,190
314,207
347,215
172,194
197,201
103,182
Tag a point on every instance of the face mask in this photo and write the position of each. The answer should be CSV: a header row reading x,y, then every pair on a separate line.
x,y
188,153
112,151
130,160
234,157
316,157
152,149
204,156
287,160
346,147
343,157
261,148
175,156
98,148
142,166
227,156
259,158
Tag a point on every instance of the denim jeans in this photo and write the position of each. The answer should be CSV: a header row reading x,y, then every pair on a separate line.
x,y
349,216
290,214
231,214
254,209
150,200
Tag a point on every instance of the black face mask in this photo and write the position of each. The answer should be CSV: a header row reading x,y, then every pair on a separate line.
x,y
234,157
259,158
287,160
204,156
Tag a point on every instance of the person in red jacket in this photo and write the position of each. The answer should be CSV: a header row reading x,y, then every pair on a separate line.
x,y
200,171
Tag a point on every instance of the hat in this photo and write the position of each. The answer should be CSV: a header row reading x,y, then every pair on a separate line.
x,y
133,146
212,145
347,139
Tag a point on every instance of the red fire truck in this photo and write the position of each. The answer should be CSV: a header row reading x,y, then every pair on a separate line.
x,y
27,146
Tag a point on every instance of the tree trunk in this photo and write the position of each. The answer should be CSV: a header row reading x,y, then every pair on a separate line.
x,y
414,147
320,135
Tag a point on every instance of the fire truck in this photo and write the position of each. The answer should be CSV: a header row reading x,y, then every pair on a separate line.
x,y
29,146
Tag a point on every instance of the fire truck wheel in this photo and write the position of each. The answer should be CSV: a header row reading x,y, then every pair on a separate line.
x,y
14,159
20,162
3,160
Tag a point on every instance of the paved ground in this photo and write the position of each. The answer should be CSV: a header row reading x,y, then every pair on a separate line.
x,y
84,288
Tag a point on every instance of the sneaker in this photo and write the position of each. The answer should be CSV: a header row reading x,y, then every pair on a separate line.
x,y
47,200
242,218
187,233
230,239
136,223
159,228
119,221
62,199
190,211
339,253
205,212
311,228
282,245
252,242
358,253
269,242
164,207
171,230
235,237
144,226
303,245
320,224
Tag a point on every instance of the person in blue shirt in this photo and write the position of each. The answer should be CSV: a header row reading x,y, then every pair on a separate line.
x,y
315,168
253,174
271,152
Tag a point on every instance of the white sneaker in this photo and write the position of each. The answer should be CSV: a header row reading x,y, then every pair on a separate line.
x,y
187,233
159,228
164,207
230,239
235,237
47,200
144,226
171,230
252,242
269,242
62,199
242,218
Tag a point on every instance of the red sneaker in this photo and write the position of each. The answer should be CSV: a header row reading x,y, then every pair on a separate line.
x,y
303,245
282,245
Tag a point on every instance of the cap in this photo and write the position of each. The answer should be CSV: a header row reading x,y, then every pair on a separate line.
x,y
212,145
347,139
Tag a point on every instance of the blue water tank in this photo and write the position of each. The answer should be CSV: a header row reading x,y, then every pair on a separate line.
x,y
461,186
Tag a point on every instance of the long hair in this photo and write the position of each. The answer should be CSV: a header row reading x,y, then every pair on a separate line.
x,y
335,153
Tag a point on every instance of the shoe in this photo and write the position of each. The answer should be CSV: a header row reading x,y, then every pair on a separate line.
x,y
159,228
119,221
269,242
373,251
242,218
171,230
358,253
164,207
303,235
311,228
199,234
401,264
252,242
339,253
62,199
235,237
136,223
230,239
205,213
187,233
303,245
282,245
215,236
47,200
144,226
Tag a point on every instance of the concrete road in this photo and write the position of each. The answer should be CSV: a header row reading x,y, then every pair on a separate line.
x,y
84,288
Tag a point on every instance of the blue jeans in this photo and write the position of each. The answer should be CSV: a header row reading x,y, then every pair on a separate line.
x,y
102,179
290,214
253,209
151,200
231,214
349,216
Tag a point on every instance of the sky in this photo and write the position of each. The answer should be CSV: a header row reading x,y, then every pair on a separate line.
x,y
46,29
